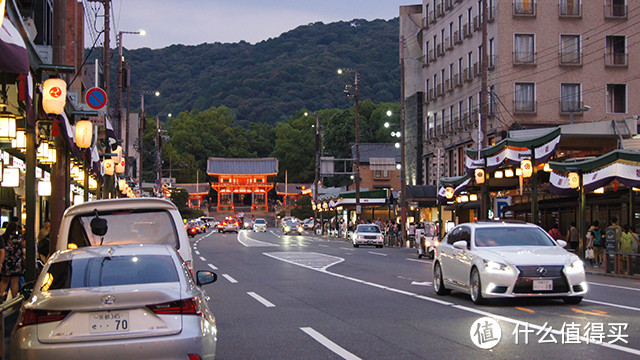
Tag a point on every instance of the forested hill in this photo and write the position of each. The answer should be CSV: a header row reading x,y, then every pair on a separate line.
x,y
267,82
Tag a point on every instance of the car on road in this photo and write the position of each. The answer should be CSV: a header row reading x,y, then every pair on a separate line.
x,y
116,301
308,224
494,259
229,225
124,221
192,229
260,225
292,227
367,234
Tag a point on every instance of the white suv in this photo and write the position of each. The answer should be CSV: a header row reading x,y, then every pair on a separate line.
x,y
492,259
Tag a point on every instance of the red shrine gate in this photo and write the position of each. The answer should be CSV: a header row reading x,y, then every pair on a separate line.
x,y
242,176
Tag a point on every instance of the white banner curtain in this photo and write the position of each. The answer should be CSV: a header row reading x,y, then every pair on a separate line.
x,y
13,51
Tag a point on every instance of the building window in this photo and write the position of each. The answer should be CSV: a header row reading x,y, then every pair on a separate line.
x,y
570,98
381,174
615,9
570,8
524,98
570,53
617,98
616,51
524,49
524,7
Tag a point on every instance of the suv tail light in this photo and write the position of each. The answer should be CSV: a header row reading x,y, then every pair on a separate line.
x,y
30,317
184,307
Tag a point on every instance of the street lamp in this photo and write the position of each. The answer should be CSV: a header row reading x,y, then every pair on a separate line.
x,y
159,147
141,132
580,110
318,135
121,83
355,96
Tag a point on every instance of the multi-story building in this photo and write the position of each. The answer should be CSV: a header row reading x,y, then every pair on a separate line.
x,y
549,63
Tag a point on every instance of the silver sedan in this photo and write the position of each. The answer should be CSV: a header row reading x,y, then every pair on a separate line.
x,y
119,301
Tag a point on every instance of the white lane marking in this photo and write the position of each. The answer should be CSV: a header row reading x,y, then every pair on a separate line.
x,y
421,261
202,258
197,252
426,283
249,242
614,286
323,245
375,253
231,280
260,299
524,324
329,344
212,267
309,260
344,248
612,305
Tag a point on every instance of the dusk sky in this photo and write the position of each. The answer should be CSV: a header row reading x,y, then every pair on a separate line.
x,y
193,22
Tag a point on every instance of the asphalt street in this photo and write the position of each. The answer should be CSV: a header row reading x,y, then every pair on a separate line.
x,y
307,297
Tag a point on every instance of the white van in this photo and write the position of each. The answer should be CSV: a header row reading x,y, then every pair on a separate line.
x,y
124,221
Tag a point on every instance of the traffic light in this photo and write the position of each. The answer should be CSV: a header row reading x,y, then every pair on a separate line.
x,y
301,187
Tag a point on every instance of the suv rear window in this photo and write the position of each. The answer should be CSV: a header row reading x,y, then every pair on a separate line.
x,y
110,271
126,227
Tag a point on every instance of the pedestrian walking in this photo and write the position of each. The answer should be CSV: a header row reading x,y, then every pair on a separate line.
x,y
597,242
13,265
573,236
589,253
555,232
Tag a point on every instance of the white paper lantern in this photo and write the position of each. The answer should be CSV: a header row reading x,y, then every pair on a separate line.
x,y
479,175
120,166
574,180
527,168
118,157
84,133
54,96
449,192
109,167
44,188
11,177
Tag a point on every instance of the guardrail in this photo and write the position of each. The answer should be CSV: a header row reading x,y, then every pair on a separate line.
x,y
9,317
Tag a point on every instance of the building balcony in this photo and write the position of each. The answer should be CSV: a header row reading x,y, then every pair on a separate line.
x,y
571,106
524,58
524,8
616,60
571,58
615,11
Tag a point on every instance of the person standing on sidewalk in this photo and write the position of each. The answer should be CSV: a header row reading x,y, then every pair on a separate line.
x,y
597,242
573,236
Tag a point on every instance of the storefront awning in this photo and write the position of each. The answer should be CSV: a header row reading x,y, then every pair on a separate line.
x,y
15,58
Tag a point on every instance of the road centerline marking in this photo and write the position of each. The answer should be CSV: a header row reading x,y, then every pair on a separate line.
x,y
337,349
376,253
202,258
230,279
212,267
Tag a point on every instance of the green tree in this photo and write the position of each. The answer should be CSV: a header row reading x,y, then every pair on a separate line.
x,y
179,197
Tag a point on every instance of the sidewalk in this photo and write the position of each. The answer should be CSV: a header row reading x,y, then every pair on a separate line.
x,y
601,271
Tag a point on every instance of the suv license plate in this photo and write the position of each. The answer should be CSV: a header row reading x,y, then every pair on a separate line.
x,y
542,285
109,321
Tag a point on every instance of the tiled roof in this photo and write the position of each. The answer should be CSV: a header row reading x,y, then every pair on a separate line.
x,y
380,150
237,166
194,188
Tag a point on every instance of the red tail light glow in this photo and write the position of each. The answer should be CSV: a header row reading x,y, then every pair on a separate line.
x,y
184,307
194,357
30,317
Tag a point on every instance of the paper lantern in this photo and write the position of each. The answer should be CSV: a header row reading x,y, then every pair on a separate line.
x,y
44,188
479,175
7,126
473,197
449,192
54,96
1,11
508,173
109,167
122,183
84,133
20,142
11,177
498,174
527,168
574,180
118,157
120,166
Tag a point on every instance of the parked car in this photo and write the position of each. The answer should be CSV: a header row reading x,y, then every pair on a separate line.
x,y
260,225
117,301
124,221
229,225
291,227
429,240
504,259
308,224
367,234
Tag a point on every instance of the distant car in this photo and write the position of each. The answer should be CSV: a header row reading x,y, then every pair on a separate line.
x,y
229,225
291,226
260,225
491,259
192,229
120,300
367,234
429,240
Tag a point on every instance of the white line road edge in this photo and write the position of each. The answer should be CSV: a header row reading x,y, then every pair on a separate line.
x,y
469,309
212,267
375,253
260,299
202,258
230,279
338,350
614,286
197,252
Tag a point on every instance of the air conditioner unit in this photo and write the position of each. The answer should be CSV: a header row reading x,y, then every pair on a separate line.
x,y
449,43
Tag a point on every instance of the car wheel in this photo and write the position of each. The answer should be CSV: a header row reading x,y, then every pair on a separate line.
x,y
356,245
419,256
572,300
431,255
438,284
475,287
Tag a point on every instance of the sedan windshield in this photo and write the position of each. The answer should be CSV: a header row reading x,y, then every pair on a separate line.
x,y
368,229
512,236
260,222
110,271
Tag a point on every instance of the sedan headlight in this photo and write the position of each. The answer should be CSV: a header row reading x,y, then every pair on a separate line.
x,y
427,243
496,267
300,229
576,267
286,229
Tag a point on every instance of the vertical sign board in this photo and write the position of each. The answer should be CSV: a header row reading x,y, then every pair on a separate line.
x,y
499,203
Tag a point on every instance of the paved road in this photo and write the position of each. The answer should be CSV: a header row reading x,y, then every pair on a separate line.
x,y
305,297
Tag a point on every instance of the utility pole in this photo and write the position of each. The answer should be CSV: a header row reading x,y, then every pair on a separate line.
x,y
484,108
357,96
315,182
158,146
403,172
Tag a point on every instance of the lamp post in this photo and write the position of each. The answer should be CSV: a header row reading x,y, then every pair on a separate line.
x,y
120,78
356,96
159,148
141,133
318,134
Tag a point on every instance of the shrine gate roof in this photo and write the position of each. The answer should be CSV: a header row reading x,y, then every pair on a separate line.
x,y
239,166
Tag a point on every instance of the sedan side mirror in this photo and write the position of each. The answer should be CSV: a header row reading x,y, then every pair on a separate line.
x,y
27,289
462,245
204,277
561,243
